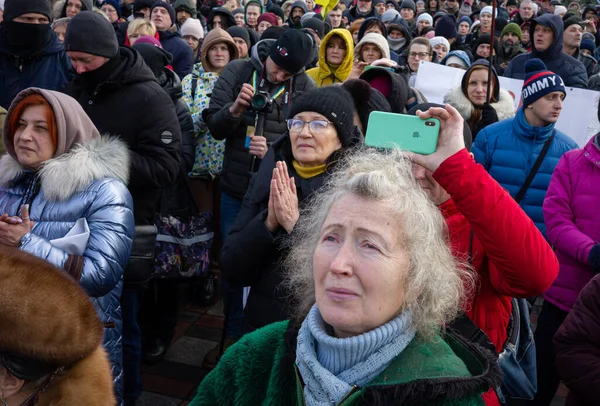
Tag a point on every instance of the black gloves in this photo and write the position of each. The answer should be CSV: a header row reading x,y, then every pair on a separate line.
x,y
488,115
594,258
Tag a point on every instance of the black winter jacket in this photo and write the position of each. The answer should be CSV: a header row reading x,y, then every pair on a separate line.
x,y
176,199
571,71
129,102
251,255
223,126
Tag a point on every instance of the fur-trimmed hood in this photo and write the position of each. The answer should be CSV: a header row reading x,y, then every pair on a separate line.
x,y
505,107
73,171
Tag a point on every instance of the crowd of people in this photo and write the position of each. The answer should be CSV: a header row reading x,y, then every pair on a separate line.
x,y
151,145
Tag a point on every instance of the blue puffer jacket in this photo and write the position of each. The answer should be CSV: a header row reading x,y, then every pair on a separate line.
x,y
508,149
48,69
106,205
183,57
572,72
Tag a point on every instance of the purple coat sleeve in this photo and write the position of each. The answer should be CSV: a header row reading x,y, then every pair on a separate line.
x,y
577,345
561,230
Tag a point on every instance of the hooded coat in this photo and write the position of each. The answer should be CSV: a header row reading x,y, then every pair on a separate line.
x,y
65,194
325,74
571,71
297,4
85,5
508,150
129,103
183,57
375,39
223,126
398,88
573,221
47,68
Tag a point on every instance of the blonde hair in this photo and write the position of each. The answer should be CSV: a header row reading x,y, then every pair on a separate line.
x,y
437,284
141,26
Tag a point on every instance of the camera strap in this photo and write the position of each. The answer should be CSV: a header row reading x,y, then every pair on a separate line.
x,y
258,83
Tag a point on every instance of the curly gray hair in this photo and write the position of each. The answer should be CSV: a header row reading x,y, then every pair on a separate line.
x,y
438,284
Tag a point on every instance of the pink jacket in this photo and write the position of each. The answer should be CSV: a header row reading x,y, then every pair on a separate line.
x,y
572,215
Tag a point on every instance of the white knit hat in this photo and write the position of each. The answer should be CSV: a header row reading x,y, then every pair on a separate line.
x,y
2,5
487,10
425,16
440,40
192,27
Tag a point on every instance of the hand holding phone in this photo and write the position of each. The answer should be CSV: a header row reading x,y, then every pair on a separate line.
x,y
407,132
450,140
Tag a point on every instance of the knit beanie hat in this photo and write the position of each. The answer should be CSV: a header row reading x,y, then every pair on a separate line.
x,y
217,36
512,3
192,27
167,7
464,19
278,11
114,4
138,5
147,39
268,17
376,39
186,5
438,15
15,8
390,15
487,10
482,39
572,21
457,57
292,51
316,25
514,28
238,11
366,99
272,33
307,16
239,32
91,33
425,16
446,27
333,102
156,58
588,44
440,40
539,81
408,4
560,9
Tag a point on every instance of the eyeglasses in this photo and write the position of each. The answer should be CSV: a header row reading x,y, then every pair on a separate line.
x,y
315,126
109,10
421,55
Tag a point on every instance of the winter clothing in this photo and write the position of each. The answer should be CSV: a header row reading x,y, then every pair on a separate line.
x,y
576,346
513,28
297,4
167,6
330,366
375,39
66,194
572,222
217,36
240,32
15,8
291,52
205,83
227,19
183,57
114,3
354,14
389,16
86,5
47,66
188,6
124,99
315,25
446,27
368,23
539,82
408,4
401,45
268,17
223,125
398,88
462,58
49,321
440,40
89,24
425,17
325,74
568,68
508,150
367,99
193,28
447,371
487,10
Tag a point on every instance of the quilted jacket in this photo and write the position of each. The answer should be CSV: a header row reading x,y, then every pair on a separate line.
x,y
509,148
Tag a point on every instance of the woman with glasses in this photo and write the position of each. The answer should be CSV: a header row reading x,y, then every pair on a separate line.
x,y
320,129
419,50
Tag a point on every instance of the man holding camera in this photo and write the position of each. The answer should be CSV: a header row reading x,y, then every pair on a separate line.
x,y
250,92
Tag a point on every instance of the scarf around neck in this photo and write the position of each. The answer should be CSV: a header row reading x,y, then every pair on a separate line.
x,y
330,366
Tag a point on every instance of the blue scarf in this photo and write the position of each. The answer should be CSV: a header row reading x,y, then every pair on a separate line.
x,y
330,366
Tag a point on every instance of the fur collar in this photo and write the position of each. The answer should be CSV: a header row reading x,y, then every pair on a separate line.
x,y
63,176
505,107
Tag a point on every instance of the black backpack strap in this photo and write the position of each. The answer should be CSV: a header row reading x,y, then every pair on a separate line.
x,y
194,85
534,169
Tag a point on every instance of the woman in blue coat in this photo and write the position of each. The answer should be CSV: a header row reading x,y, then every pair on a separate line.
x,y
64,197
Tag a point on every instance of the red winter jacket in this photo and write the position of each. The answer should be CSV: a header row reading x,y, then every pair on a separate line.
x,y
510,255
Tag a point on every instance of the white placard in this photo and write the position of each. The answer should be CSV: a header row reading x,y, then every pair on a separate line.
x,y
578,119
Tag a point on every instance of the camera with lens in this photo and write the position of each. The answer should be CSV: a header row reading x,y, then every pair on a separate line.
x,y
262,102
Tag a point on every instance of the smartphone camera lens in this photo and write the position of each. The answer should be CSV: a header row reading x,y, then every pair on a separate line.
x,y
429,123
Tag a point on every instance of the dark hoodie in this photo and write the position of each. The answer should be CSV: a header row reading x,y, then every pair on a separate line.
x,y
227,18
571,71
297,4
400,51
398,88
85,5
354,14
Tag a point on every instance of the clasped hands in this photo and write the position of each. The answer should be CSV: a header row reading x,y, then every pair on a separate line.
x,y
283,200
13,228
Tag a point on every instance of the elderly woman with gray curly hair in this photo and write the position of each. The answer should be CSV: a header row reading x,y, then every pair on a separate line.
x,y
375,282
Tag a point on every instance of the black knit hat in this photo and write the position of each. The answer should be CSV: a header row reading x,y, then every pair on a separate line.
x,y
91,33
292,51
333,102
15,8
239,32
272,32
167,6
366,100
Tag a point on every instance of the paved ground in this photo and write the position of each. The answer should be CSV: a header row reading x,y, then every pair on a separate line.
x,y
173,381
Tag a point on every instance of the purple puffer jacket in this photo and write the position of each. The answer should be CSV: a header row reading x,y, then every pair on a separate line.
x,y
572,215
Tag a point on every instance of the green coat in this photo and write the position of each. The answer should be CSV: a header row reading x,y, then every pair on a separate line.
x,y
260,370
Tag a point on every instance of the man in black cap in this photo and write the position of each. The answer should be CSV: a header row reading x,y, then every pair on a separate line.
x,y
163,17
274,73
122,97
30,52
572,37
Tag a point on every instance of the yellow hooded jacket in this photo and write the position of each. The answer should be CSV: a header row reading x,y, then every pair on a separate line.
x,y
324,74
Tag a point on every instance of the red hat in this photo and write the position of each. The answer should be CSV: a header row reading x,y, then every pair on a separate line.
x,y
268,17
